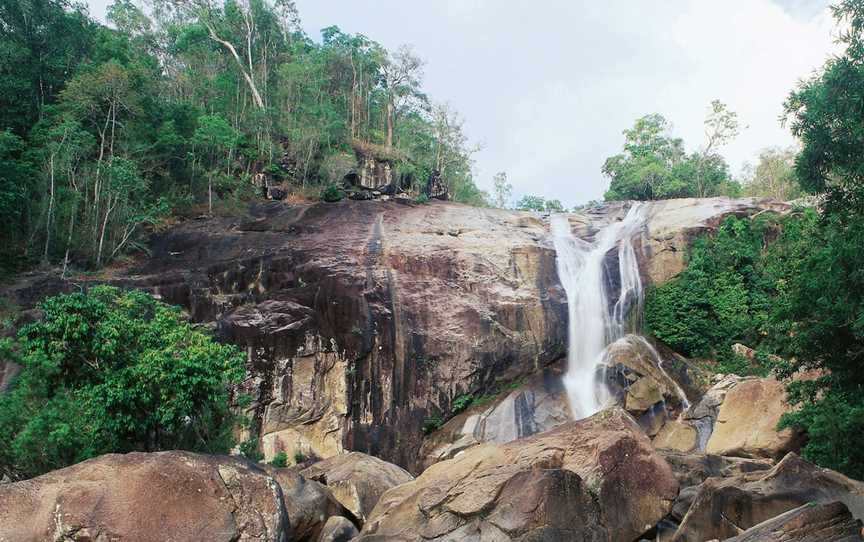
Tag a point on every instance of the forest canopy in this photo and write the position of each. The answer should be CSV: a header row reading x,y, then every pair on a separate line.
x,y
654,164
183,107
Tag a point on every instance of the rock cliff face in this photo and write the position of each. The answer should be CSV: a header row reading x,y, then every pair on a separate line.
x,y
364,320
367,322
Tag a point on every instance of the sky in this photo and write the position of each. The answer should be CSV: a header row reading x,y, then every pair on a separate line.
x,y
547,87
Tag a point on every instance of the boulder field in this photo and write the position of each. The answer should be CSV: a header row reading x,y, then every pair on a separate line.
x,y
598,479
412,356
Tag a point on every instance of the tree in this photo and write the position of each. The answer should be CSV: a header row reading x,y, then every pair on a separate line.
x,y
102,98
105,120
654,164
453,156
401,72
217,21
643,170
16,175
111,371
63,148
41,43
531,203
503,190
774,176
554,206
539,204
826,299
721,127
214,140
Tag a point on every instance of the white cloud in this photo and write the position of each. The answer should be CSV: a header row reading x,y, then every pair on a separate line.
x,y
548,87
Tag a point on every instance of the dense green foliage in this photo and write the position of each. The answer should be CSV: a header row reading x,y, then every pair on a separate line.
x,y
111,371
827,301
182,107
654,165
793,288
734,290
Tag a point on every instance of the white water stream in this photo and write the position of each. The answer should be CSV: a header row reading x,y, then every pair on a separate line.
x,y
593,321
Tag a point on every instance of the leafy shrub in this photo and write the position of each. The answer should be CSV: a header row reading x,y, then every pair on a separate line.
x,y
112,371
432,424
833,417
299,456
250,450
332,193
280,460
421,199
740,365
461,403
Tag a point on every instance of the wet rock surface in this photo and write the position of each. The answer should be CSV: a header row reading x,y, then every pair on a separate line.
x,y
673,224
537,404
654,386
364,319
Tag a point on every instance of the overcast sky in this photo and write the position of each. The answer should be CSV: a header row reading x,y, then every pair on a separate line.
x,y
547,86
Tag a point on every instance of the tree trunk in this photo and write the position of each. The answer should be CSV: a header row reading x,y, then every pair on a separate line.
x,y
248,76
353,97
50,217
69,240
104,227
389,142
50,209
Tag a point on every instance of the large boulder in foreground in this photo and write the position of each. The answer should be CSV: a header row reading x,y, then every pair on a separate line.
x,y
725,507
691,469
746,423
309,504
808,523
357,480
596,479
141,497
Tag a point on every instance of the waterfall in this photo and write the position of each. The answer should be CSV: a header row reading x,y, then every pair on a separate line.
x,y
594,322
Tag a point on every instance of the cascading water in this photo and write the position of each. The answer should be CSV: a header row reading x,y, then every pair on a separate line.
x,y
593,322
